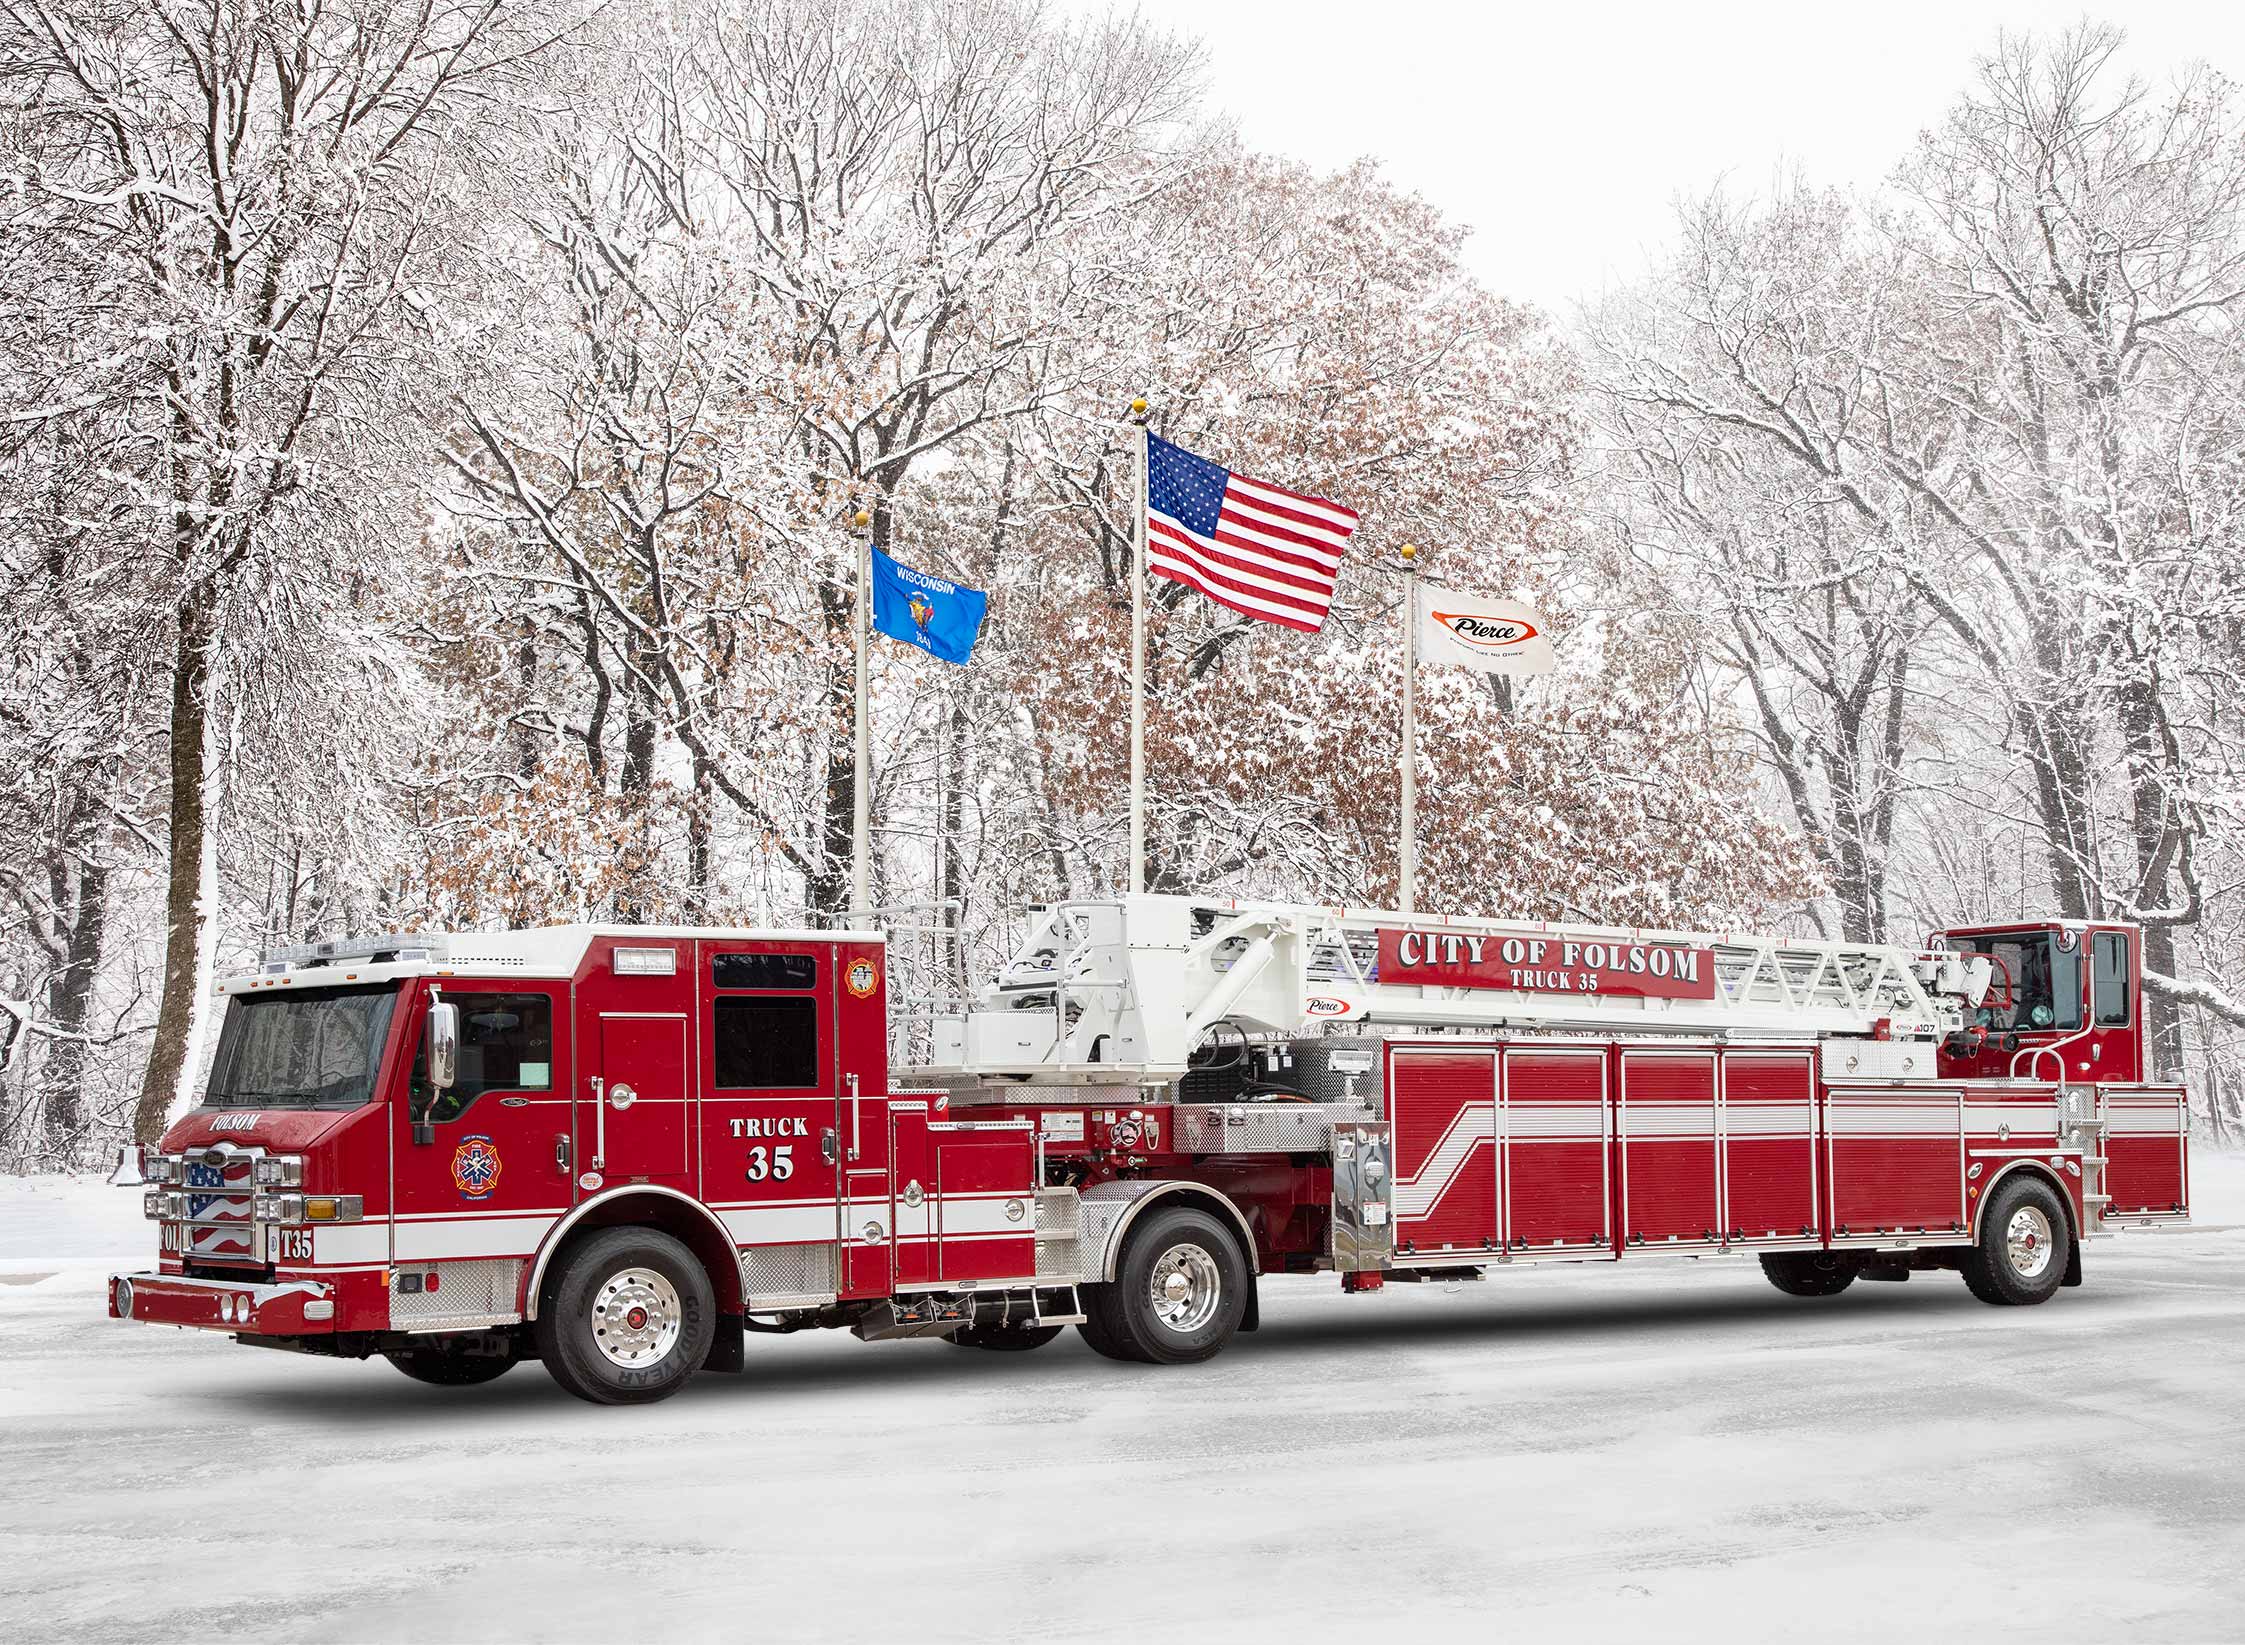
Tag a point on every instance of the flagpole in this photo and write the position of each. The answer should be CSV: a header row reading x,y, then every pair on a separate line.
x,y
1408,852
861,821
1138,664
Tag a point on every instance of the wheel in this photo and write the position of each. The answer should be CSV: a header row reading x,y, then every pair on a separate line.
x,y
1004,1339
447,1368
627,1318
1809,1273
1179,1291
2025,1241
1099,1329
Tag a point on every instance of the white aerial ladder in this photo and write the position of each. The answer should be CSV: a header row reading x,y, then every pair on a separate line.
x,y
1121,992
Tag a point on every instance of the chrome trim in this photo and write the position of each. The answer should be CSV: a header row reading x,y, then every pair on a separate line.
x,y
1135,1197
560,1230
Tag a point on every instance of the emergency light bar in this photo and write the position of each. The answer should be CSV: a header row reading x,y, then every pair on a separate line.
x,y
399,946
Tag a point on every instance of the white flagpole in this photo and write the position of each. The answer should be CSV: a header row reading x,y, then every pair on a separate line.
x,y
861,821
1408,850
1138,665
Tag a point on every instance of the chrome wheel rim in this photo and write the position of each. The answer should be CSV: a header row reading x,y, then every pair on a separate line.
x,y
2027,1242
636,1318
1185,1288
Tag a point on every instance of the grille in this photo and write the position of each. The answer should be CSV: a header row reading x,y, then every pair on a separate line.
x,y
779,1275
481,1292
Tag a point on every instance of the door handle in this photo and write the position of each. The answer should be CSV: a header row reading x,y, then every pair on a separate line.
x,y
599,1123
561,1154
857,1135
830,1145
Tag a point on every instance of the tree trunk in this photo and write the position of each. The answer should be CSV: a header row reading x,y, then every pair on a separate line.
x,y
184,914
70,994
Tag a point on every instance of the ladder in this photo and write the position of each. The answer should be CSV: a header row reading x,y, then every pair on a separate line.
x,y
1122,991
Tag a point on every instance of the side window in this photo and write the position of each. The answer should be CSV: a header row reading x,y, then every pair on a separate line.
x,y
2109,978
765,1042
506,1044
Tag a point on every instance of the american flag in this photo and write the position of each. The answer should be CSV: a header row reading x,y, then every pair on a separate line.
x,y
1262,550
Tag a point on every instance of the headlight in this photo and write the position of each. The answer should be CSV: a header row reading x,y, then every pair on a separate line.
x,y
152,1204
278,1208
279,1171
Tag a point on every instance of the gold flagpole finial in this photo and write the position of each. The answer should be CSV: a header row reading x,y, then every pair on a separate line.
x,y
1138,408
861,519
1409,552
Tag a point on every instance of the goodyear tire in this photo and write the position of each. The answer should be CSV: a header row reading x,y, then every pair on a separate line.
x,y
627,1317
1809,1273
2024,1245
444,1367
1179,1291
1004,1339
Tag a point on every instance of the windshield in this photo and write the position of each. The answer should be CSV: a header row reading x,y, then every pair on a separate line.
x,y
318,1049
2044,981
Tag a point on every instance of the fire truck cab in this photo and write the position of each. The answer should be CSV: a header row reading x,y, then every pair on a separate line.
x,y
624,1150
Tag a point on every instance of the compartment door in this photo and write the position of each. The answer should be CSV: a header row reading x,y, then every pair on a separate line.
x,y
1669,1161
1557,1181
1442,1105
1897,1160
1769,1147
2147,1173
985,1200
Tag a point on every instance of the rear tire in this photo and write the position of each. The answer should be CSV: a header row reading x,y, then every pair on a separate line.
x,y
1005,1339
443,1367
2025,1244
1180,1290
627,1318
1809,1273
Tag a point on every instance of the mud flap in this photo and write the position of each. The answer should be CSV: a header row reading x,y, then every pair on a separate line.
x,y
2073,1266
727,1345
1252,1319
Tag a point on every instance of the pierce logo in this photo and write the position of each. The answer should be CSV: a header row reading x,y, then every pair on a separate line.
x,y
862,978
475,1167
1485,633
1325,1005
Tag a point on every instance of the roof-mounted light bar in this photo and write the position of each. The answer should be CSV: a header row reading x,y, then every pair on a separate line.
x,y
402,947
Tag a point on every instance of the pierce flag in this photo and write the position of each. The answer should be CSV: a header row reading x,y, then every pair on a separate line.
x,y
1493,636
936,615
1264,551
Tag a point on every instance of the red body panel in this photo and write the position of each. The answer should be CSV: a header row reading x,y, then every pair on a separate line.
x,y
1555,1126
1667,1134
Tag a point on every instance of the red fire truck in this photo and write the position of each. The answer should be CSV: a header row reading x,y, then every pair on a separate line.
x,y
624,1150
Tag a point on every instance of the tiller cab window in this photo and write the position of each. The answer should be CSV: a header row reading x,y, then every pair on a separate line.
x,y
2037,983
317,1049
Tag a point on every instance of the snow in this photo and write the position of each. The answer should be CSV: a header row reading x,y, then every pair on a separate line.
x,y
1671,1450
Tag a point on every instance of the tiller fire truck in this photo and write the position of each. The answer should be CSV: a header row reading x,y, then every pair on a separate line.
x,y
623,1151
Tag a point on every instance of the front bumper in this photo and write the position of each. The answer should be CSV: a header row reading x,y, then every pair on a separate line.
x,y
293,1308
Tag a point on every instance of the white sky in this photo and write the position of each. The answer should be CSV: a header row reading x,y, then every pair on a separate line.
x,y
1563,133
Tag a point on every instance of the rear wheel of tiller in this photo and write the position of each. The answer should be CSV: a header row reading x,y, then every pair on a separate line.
x,y
2024,1245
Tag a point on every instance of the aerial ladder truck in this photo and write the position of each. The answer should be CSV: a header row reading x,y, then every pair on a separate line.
x,y
625,1151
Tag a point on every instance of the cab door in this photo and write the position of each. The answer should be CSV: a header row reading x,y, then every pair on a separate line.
x,y
636,1087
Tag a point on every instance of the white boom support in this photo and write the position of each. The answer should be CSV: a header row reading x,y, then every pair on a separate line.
x,y
1122,991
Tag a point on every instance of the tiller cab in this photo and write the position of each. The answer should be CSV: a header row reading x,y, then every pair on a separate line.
x,y
623,1150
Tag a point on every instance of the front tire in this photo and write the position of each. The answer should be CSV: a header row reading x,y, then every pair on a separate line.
x,y
2025,1244
1809,1273
628,1318
1179,1292
443,1367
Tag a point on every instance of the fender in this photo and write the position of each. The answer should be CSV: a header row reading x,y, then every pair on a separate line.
x,y
2042,1169
560,1231
1110,1208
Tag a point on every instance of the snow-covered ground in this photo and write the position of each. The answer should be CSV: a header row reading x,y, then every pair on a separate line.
x,y
1674,1451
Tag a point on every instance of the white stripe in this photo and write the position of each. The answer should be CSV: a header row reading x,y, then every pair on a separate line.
x,y
1244,520
1158,545
356,1242
471,1237
1414,1196
1678,1119
1344,518
1186,570
1577,1120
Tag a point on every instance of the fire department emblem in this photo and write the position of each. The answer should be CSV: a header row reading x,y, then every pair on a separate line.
x,y
862,978
475,1167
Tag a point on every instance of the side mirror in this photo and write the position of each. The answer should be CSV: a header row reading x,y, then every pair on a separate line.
x,y
443,1035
